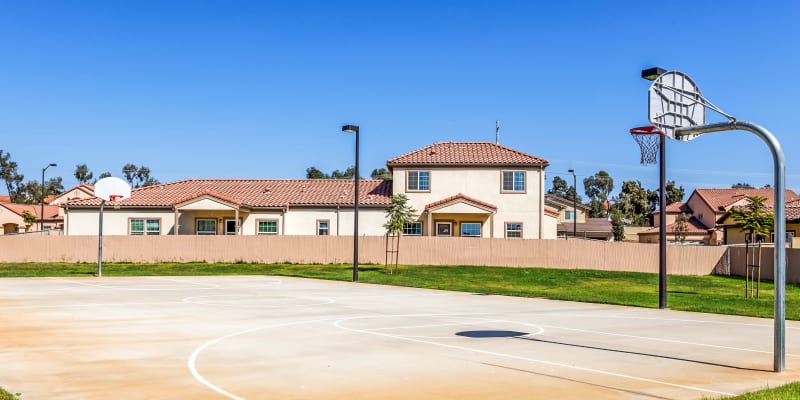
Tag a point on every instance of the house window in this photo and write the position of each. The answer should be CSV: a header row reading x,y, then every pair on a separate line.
x,y
412,229
569,215
418,181
268,227
142,226
471,229
514,230
231,228
206,227
323,228
513,181
789,237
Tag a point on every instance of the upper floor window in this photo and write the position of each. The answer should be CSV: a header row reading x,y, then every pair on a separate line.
x,y
513,181
569,215
418,181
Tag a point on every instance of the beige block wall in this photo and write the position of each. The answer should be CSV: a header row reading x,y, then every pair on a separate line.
x,y
484,185
564,254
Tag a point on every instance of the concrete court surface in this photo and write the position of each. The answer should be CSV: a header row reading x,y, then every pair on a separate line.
x,y
261,337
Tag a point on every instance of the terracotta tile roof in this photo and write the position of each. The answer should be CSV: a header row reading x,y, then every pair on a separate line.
x,y
256,192
721,199
694,225
551,211
793,210
564,203
212,194
466,153
5,199
50,212
460,196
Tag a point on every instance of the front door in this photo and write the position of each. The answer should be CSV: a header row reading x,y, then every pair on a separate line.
x,y
444,229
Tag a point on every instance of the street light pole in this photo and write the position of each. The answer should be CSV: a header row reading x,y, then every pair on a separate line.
x,y
356,179
41,216
574,204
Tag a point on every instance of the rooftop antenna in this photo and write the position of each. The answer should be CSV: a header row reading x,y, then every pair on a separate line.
x,y
497,131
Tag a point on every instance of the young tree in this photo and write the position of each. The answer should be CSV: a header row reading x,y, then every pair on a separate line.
x,y
681,227
29,219
757,222
398,213
617,226
82,173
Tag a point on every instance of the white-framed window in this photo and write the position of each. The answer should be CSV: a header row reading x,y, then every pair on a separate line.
x,y
569,215
471,229
513,181
513,229
418,181
267,227
144,226
412,229
206,226
789,236
323,227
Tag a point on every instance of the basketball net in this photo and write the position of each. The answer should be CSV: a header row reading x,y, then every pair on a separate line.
x,y
648,138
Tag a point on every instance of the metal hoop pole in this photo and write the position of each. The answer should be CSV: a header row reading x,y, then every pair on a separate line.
x,y
779,164
662,220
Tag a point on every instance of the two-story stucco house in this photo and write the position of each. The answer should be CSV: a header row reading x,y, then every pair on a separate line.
x,y
476,189
460,189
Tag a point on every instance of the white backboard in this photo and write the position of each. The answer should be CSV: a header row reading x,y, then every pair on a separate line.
x,y
675,101
107,187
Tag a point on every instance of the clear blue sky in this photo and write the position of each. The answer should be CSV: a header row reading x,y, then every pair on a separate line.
x,y
257,89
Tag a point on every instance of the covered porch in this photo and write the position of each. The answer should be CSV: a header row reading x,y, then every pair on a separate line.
x,y
461,216
209,214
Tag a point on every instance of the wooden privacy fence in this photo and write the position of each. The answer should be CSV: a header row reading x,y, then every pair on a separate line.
x,y
767,262
566,254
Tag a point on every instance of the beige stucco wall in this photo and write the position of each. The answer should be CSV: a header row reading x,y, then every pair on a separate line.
x,y
115,222
483,184
550,227
298,221
702,211
8,217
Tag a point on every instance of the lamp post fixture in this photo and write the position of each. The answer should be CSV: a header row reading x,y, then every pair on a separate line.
x,y
652,74
574,204
41,216
354,129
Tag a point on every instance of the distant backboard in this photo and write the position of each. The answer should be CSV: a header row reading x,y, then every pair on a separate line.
x,y
112,189
675,102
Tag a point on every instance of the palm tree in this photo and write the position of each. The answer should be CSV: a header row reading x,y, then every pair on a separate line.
x,y
398,214
756,221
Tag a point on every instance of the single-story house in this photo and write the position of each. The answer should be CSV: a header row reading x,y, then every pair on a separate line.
x,y
468,189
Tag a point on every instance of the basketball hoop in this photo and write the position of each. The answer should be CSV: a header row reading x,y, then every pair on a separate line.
x,y
114,197
648,138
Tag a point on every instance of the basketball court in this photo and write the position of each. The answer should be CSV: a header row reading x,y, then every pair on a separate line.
x,y
261,337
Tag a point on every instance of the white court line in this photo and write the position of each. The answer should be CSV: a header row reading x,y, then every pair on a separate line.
x,y
339,324
164,288
324,300
663,340
215,286
696,321
88,305
204,381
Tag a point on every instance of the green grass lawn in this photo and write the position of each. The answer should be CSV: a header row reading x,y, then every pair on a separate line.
x,y
708,294
4,395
